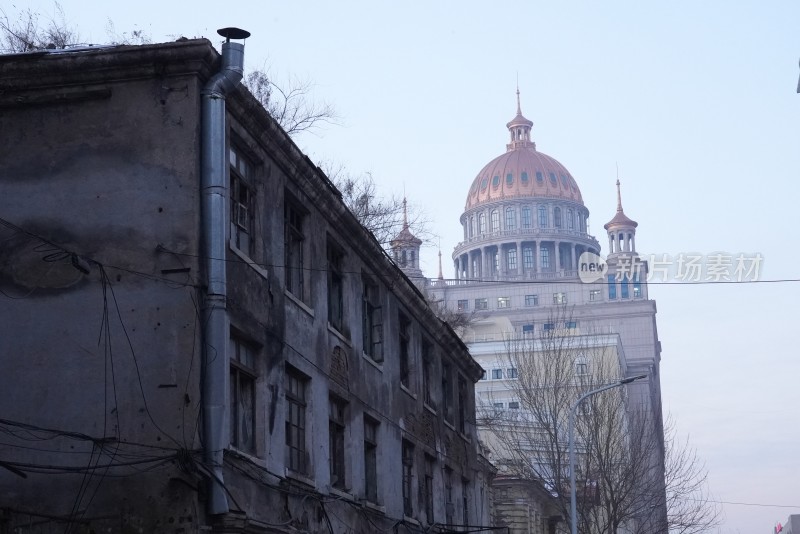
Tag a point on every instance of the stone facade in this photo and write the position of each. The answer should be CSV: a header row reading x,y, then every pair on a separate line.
x,y
346,405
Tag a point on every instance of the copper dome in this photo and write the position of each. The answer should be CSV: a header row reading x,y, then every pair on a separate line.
x,y
522,172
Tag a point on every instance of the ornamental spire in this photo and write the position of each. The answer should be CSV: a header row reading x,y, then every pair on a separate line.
x,y
441,276
405,215
520,129
619,197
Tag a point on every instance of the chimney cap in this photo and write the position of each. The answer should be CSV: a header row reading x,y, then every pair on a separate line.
x,y
233,33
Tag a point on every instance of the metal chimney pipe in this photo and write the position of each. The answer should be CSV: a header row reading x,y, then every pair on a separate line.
x,y
214,179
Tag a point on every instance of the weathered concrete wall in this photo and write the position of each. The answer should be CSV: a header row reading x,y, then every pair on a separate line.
x,y
108,172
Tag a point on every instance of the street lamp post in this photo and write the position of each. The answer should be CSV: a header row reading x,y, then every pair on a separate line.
x,y
573,508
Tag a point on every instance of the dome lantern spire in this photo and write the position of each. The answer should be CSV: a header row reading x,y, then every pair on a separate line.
x,y
621,230
520,130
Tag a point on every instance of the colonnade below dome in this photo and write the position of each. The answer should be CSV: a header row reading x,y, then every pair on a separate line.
x,y
536,259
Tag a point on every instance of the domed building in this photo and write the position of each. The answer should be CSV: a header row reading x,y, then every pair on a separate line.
x,y
528,266
524,217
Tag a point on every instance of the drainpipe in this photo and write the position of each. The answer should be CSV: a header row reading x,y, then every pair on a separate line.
x,y
214,191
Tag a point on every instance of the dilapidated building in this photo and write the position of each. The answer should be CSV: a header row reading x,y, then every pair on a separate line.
x,y
196,334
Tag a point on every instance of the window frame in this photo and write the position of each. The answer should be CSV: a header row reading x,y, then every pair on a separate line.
x,y
408,477
297,459
404,348
531,301
295,250
337,428
371,458
336,313
242,199
242,371
371,319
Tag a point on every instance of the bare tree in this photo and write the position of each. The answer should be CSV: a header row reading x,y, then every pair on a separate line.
x,y
689,507
290,104
459,321
28,32
620,460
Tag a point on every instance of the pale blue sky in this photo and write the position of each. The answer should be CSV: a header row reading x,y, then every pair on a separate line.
x,y
696,103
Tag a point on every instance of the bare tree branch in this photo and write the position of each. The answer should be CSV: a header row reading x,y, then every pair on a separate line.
x,y
290,104
620,474
26,33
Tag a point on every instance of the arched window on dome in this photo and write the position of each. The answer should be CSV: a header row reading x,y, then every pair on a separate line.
x,y
570,220
526,217
511,220
482,223
403,258
472,226
542,217
495,221
557,217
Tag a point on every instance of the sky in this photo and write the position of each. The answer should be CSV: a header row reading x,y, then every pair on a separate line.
x,y
693,105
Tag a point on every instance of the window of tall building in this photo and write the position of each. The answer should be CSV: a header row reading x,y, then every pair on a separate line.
x,y
581,366
295,384
503,302
557,217
527,257
496,261
612,286
637,286
497,374
542,217
404,344
472,226
531,300
242,395
570,220
463,305
408,478
526,217
371,319
511,372
511,222
513,405
335,286
336,432
549,327
527,330
242,202
559,298
511,259
370,459
570,325
495,220
482,223
595,294
481,304
623,286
